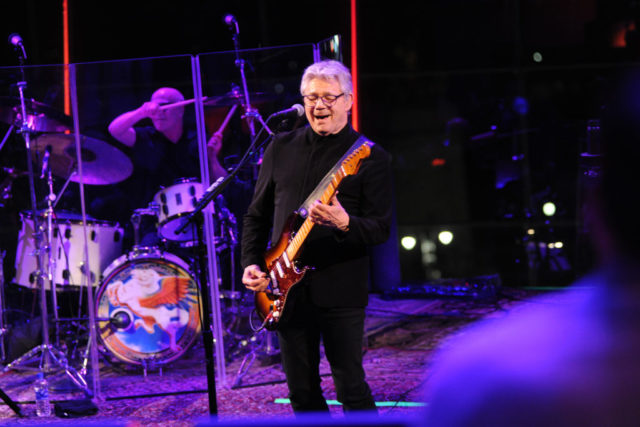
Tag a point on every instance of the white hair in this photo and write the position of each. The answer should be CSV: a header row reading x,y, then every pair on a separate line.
x,y
328,70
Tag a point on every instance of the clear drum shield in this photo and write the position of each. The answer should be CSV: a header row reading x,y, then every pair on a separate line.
x,y
99,205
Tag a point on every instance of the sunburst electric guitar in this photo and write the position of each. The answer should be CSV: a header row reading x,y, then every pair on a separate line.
x,y
283,267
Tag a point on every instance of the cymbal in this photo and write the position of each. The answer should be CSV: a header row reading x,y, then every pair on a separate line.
x,y
40,117
102,163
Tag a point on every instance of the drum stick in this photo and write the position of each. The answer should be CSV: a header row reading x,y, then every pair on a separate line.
x,y
181,103
226,119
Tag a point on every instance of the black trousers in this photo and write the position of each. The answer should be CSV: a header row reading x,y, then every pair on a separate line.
x,y
341,331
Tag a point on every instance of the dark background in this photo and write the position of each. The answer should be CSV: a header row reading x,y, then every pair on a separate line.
x,y
481,133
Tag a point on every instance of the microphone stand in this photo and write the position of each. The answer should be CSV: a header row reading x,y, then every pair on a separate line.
x,y
221,183
196,218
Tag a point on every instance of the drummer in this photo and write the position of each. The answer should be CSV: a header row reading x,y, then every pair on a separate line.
x,y
163,152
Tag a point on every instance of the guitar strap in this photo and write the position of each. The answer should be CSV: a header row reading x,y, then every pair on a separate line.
x,y
303,210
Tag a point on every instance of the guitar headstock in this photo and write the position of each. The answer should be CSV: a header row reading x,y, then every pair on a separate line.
x,y
353,161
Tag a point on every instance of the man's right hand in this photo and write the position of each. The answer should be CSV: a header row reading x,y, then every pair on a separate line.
x,y
149,109
255,279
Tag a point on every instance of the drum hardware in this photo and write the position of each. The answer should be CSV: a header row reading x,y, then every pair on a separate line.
x,y
153,210
57,355
7,182
49,354
30,123
41,118
250,114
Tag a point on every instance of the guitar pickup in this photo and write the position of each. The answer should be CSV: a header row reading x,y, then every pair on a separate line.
x,y
279,268
285,257
273,285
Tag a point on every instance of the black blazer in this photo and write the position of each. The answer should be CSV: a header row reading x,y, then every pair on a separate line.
x,y
293,164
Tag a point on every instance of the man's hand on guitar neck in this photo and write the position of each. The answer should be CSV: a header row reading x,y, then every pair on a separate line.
x,y
329,215
255,279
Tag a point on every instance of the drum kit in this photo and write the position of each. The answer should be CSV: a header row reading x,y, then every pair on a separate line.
x,y
147,303
146,307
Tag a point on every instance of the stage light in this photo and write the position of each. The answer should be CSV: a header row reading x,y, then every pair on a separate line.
x,y
445,237
549,209
537,56
438,161
520,105
559,245
408,242
531,232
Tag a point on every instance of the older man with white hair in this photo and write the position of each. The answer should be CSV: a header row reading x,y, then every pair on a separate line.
x,y
328,304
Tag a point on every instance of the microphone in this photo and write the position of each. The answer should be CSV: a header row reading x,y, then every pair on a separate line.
x,y
16,41
232,23
45,161
296,110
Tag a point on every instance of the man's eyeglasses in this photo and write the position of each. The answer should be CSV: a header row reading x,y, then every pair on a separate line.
x,y
327,100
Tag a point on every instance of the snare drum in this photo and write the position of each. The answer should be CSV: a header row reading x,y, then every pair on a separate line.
x,y
148,307
104,244
175,202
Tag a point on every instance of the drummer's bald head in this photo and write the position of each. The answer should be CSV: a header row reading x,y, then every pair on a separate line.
x,y
168,120
167,95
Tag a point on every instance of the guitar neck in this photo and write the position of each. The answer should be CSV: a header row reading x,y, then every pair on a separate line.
x,y
348,165
296,243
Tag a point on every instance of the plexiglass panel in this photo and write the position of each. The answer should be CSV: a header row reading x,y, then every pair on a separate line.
x,y
272,79
127,173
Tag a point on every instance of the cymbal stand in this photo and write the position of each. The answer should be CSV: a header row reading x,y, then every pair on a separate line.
x,y
48,353
250,113
6,136
64,187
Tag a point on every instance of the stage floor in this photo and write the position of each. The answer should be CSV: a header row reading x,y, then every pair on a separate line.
x,y
401,335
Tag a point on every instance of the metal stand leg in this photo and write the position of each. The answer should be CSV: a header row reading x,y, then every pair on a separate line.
x,y
11,403
49,355
3,331
264,348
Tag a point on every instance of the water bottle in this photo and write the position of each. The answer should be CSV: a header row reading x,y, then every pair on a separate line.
x,y
41,387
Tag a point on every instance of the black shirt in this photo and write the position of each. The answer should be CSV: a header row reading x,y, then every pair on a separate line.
x,y
160,162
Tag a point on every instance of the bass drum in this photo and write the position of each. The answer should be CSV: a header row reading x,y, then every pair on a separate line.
x,y
147,307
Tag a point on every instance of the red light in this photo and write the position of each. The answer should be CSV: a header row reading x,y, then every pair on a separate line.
x,y
438,162
620,33
355,114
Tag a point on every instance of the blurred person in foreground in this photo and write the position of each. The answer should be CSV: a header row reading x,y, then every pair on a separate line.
x,y
570,363
329,303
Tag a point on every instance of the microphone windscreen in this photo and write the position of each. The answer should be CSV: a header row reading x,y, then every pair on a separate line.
x,y
15,39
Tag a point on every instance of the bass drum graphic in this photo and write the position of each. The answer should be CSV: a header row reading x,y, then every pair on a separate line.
x,y
147,307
